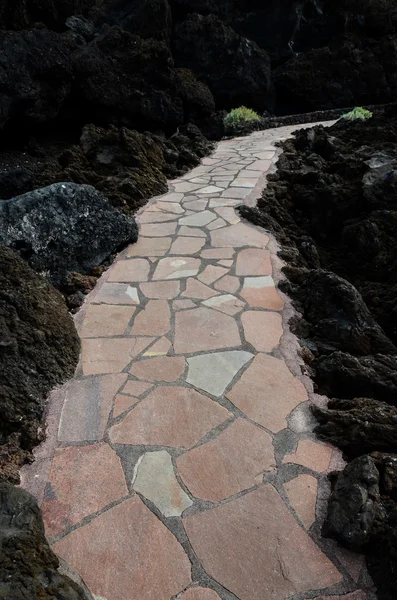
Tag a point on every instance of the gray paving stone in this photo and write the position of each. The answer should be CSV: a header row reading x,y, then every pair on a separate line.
x,y
213,372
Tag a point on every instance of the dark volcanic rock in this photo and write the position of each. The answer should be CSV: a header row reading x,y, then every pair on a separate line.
x,y
36,77
362,515
235,69
28,566
342,374
127,166
23,14
147,18
358,426
39,348
339,318
352,505
64,228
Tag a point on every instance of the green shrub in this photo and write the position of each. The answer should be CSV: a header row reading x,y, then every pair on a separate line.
x,y
358,113
238,118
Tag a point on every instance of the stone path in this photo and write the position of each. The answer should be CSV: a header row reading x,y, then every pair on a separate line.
x,y
180,461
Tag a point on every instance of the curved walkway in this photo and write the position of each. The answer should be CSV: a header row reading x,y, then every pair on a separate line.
x,y
182,462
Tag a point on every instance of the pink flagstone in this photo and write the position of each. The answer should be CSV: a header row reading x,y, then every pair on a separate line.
x,y
302,494
160,289
177,417
196,289
153,320
159,368
262,329
312,455
110,355
253,261
116,552
129,271
204,329
104,320
123,403
267,392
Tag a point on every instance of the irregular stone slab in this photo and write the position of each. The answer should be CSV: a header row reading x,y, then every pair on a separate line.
x,y
261,165
253,261
110,355
229,214
169,416
210,189
155,217
213,372
136,388
260,292
115,555
196,205
177,268
129,271
211,274
165,290
116,293
262,329
86,408
267,392
236,193
237,236
244,182
172,207
83,480
228,283
196,289
172,197
154,320
187,245
198,219
186,187
157,229
225,263
183,304
228,304
302,494
203,329
156,481
123,403
227,538
192,231
232,462
105,320
215,202
160,348
311,455
159,368
218,253
358,595
217,224
199,593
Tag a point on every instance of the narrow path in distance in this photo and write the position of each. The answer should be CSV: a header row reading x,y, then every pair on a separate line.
x,y
182,462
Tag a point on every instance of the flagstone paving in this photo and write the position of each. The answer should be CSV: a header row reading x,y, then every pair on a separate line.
x,y
182,463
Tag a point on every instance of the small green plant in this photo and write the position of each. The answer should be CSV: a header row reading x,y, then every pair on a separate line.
x,y
238,118
358,113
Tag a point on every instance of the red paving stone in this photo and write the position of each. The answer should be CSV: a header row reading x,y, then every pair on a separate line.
x,y
267,392
231,463
262,329
159,368
117,551
157,313
203,329
254,547
83,480
176,417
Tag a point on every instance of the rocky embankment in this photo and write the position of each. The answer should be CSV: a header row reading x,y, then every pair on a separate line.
x,y
333,206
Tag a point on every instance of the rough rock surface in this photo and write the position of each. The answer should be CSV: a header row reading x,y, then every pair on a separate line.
x,y
39,348
28,566
64,228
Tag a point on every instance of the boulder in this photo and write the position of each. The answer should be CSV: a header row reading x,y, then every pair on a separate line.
x,y
29,569
353,504
358,426
347,376
63,228
39,348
